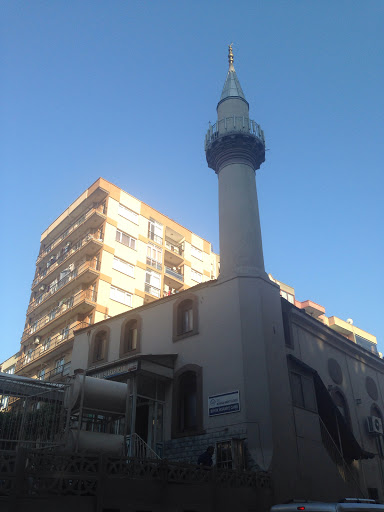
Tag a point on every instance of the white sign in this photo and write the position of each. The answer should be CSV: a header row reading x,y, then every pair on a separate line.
x,y
116,370
224,403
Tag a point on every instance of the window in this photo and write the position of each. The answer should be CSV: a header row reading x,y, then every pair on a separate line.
x,y
152,282
287,296
196,276
230,454
123,266
10,370
187,402
154,256
185,320
52,314
128,214
64,333
59,365
303,392
125,239
41,374
99,346
28,356
187,411
121,296
341,404
196,253
368,345
130,336
46,344
155,231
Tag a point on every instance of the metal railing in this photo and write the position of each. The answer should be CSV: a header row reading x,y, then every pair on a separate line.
x,y
137,447
76,272
233,124
58,310
77,246
174,274
154,263
343,468
46,348
156,238
152,290
58,373
176,248
100,209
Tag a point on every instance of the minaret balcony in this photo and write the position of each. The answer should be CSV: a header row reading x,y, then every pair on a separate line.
x,y
233,125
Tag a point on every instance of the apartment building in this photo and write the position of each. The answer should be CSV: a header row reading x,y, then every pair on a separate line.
x,y
343,327
105,254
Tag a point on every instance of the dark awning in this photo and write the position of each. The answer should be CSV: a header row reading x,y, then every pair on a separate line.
x,y
332,418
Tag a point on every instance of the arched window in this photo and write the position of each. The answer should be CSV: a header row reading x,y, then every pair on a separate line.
x,y
130,336
185,317
341,404
187,405
99,346
187,402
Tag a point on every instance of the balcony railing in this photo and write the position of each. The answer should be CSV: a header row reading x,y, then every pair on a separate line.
x,y
61,307
58,373
76,247
78,271
152,290
174,274
233,124
154,263
101,209
46,348
156,238
177,249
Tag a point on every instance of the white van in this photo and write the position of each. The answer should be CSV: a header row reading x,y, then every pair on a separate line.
x,y
345,505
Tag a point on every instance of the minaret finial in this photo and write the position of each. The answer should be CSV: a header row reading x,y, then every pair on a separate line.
x,y
230,57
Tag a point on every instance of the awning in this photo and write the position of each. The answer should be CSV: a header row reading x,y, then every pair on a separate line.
x,y
332,418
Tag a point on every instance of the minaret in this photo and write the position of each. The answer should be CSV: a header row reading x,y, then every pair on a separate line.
x,y
235,148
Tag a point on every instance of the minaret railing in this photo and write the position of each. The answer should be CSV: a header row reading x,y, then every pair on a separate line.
x,y
233,124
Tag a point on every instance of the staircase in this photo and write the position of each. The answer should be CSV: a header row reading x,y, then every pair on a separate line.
x,y
137,447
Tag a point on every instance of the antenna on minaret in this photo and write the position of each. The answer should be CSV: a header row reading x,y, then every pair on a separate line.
x,y
230,57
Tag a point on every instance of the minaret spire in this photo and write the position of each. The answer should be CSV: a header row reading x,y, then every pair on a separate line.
x,y
230,57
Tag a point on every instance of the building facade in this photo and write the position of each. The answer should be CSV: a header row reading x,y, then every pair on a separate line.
x,y
105,254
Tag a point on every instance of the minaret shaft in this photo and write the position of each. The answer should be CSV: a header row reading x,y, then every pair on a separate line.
x,y
241,250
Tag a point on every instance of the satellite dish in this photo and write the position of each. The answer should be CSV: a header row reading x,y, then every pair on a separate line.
x,y
349,321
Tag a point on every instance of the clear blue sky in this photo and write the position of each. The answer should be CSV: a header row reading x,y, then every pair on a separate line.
x,y
125,90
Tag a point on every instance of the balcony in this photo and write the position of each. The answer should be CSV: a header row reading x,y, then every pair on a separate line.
x,y
154,263
152,290
156,238
232,125
92,243
82,302
92,218
87,272
174,252
42,350
58,374
173,278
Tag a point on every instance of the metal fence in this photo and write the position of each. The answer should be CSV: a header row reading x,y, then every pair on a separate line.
x,y
31,413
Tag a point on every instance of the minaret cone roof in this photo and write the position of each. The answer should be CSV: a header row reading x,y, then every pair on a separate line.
x,y
232,87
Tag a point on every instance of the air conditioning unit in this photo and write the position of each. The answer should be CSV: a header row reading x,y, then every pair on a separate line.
x,y
37,340
375,425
